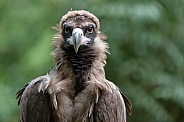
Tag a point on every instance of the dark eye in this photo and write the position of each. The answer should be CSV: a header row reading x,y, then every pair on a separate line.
x,y
90,30
66,29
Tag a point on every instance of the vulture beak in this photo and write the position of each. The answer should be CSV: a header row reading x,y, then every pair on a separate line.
x,y
78,39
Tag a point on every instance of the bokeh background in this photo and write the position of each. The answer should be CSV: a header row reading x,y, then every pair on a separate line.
x,y
146,41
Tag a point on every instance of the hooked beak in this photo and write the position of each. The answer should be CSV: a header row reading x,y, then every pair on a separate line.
x,y
78,39
77,35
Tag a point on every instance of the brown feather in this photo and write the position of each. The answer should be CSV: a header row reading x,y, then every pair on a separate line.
x,y
76,90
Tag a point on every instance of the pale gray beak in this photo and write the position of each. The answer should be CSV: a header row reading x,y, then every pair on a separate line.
x,y
77,35
78,39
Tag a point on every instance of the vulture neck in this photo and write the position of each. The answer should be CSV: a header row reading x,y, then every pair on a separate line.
x,y
82,65
87,66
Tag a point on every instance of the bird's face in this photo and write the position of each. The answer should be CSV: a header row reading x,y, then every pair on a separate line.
x,y
78,32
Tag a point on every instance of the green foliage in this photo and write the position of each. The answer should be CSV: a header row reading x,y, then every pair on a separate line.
x,y
146,43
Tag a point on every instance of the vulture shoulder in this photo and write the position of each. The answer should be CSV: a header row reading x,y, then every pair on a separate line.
x,y
112,105
33,103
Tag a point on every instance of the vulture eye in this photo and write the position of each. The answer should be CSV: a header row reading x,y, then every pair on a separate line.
x,y
90,30
66,29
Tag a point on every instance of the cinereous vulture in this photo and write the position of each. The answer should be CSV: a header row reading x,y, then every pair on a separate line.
x,y
76,89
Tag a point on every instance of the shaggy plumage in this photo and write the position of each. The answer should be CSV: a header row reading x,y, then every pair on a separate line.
x,y
76,90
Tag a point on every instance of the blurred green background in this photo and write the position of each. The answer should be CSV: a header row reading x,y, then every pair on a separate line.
x,y
146,43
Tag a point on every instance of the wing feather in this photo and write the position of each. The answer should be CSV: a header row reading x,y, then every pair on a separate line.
x,y
33,103
112,105
128,104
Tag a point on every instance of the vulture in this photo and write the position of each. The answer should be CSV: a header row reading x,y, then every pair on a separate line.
x,y
76,89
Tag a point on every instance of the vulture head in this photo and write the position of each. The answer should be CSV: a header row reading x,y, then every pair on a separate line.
x,y
79,29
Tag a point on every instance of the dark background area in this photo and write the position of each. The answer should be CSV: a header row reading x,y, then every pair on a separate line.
x,y
146,41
